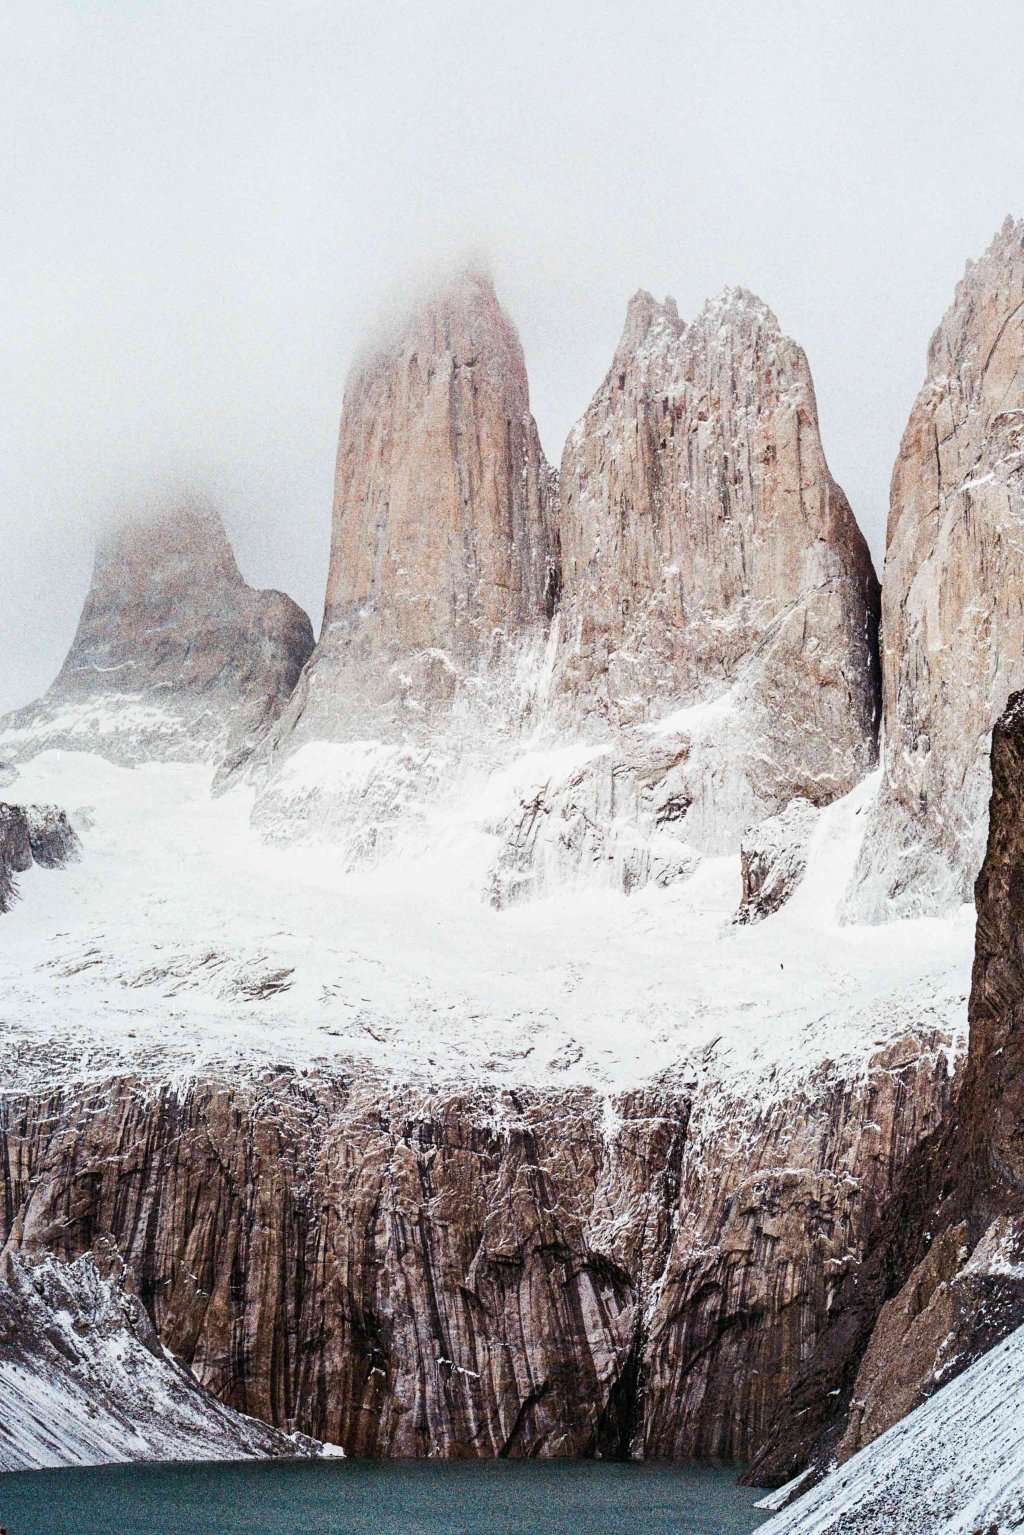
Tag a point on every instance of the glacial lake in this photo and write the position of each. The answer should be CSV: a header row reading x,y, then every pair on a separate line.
x,y
336,1497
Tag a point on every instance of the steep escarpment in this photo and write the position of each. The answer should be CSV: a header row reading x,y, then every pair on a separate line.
x,y
943,1280
719,611
952,618
482,1270
175,657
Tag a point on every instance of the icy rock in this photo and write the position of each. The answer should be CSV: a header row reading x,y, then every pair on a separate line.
x,y
773,857
175,657
955,1465
611,820
84,1379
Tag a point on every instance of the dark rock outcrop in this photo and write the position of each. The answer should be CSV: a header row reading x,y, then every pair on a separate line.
x,y
175,657
773,858
32,834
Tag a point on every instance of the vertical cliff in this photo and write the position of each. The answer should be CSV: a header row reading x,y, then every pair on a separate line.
x,y
444,544
479,1270
175,657
952,615
702,532
943,1278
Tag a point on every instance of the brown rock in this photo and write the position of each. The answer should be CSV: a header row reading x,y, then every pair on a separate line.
x,y
944,1275
702,532
444,566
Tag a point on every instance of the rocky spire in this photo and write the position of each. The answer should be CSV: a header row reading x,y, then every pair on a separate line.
x,y
443,578
443,551
174,656
952,613
700,526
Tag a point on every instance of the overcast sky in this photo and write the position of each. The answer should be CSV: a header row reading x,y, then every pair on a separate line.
x,y
202,203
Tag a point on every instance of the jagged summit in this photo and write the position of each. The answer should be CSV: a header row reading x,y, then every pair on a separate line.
x,y
647,321
174,656
717,594
951,611
737,307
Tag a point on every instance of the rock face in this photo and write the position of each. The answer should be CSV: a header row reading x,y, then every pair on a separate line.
x,y
956,1464
84,1380
953,621
943,1280
32,834
488,1271
444,571
773,859
175,657
444,544
719,608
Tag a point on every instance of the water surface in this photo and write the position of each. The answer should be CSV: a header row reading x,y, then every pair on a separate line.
x,y
359,1497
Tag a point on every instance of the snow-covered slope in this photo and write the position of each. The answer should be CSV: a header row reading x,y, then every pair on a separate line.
x,y
954,1466
182,943
84,1380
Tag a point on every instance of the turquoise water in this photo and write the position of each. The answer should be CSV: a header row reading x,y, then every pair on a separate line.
x,y
503,1497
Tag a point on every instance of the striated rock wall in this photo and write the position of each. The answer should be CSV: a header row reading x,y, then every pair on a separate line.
x,y
701,528
952,615
478,1272
175,657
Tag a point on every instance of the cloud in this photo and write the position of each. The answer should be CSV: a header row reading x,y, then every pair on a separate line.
x,y
208,203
